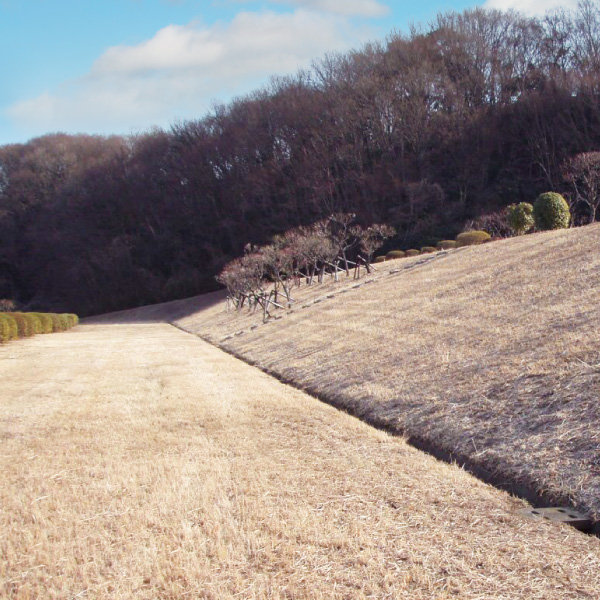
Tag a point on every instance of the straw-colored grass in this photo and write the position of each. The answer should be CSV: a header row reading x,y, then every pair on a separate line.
x,y
491,351
152,465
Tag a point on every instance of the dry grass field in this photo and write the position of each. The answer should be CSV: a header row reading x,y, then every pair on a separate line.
x,y
489,352
138,461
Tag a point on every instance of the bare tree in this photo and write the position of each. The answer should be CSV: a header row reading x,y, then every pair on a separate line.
x,y
244,279
316,252
340,232
583,173
6,305
371,239
279,261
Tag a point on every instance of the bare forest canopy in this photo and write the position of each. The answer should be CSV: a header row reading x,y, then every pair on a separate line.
x,y
422,132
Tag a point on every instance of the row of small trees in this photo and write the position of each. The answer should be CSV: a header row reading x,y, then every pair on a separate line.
x,y
15,325
337,245
330,246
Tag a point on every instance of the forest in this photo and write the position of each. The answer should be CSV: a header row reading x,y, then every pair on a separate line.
x,y
426,132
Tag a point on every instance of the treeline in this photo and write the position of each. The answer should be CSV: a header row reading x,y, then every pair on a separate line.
x,y
422,132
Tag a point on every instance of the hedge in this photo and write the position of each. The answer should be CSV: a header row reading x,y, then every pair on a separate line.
x,y
472,238
14,325
8,328
447,244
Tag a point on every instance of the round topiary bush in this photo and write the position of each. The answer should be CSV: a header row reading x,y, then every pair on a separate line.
x,y
428,250
24,325
379,259
551,211
35,324
412,252
59,322
395,254
45,321
4,333
520,218
446,244
472,238
8,328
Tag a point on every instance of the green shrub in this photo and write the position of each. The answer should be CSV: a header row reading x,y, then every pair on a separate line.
x,y
392,254
45,322
447,244
412,252
8,328
472,238
24,325
551,211
379,259
428,249
4,332
64,321
73,319
59,322
520,218
35,324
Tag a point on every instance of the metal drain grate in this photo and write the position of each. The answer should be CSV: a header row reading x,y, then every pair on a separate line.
x,y
560,515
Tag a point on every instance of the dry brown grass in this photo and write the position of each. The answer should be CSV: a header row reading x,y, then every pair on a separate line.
x,y
492,352
139,462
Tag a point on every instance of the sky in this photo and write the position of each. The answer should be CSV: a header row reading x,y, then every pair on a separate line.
x,y
125,66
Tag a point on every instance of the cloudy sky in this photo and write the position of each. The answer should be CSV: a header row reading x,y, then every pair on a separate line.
x,y
122,66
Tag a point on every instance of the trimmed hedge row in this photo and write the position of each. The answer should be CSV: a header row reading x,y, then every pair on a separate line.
x,y
550,211
14,325
467,238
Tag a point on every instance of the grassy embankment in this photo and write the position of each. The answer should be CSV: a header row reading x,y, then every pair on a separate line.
x,y
140,462
489,352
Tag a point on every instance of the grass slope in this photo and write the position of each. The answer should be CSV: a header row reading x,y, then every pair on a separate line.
x,y
150,464
492,352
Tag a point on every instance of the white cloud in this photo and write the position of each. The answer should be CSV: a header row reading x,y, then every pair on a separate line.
x,y
178,72
359,8
531,7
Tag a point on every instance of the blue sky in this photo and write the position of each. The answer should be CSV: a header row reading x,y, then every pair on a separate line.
x,y
123,66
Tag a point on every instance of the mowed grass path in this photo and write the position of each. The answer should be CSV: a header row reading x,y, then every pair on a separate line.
x,y
139,462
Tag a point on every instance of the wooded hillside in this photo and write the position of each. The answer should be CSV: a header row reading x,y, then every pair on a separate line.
x,y
423,132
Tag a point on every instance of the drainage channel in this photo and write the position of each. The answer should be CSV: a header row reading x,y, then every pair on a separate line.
x,y
545,506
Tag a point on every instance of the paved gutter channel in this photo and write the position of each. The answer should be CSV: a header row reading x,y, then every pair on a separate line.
x,y
524,489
